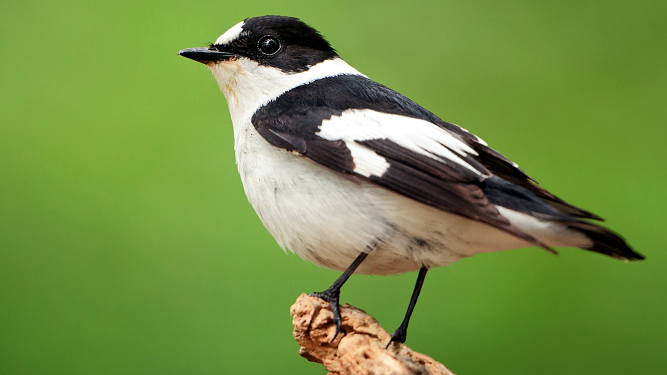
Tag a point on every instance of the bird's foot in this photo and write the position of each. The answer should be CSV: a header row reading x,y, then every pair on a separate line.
x,y
399,335
332,296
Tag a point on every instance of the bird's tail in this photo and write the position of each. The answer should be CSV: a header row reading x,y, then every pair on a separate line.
x,y
604,241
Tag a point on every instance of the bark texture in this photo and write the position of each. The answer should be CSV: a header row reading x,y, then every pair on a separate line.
x,y
359,348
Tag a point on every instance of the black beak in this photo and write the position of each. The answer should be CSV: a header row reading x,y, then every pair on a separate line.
x,y
205,55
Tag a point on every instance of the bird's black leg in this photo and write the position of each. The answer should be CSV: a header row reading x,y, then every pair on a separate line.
x,y
402,331
332,294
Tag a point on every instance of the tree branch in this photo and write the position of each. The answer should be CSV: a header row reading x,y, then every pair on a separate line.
x,y
359,348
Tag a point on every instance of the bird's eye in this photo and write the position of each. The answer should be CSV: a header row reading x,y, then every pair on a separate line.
x,y
269,45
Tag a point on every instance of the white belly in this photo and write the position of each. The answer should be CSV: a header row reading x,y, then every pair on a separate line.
x,y
329,220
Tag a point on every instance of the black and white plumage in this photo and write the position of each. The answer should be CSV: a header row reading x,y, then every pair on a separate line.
x,y
337,165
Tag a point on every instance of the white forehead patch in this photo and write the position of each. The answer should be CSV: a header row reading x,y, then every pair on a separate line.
x,y
231,34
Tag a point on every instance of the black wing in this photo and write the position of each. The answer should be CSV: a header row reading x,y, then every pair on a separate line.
x,y
442,169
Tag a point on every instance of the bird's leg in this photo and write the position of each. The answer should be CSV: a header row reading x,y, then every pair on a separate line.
x,y
332,294
402,331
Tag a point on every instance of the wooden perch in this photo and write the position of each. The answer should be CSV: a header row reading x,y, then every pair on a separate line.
x,y
359,348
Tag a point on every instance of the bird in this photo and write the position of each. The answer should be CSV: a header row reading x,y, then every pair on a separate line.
x,y
353,176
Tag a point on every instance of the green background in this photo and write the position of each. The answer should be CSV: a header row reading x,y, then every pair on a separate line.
x,y
127,245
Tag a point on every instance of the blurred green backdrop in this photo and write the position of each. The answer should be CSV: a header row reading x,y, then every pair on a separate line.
x,y
127,245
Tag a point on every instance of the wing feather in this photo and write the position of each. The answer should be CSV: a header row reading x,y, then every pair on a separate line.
x,y
355,126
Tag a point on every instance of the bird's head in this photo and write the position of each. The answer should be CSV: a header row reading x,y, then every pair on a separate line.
x,y
284,43
261,57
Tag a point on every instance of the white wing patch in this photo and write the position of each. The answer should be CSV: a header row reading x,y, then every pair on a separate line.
x,y
413,134
231,34
366,161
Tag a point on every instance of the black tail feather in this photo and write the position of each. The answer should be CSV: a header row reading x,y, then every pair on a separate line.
x,y
605,241
545,206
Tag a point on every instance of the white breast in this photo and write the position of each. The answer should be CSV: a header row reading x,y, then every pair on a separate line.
x,y
323,218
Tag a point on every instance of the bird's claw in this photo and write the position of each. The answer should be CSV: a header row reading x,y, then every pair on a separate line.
x,y
333,297
399,335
